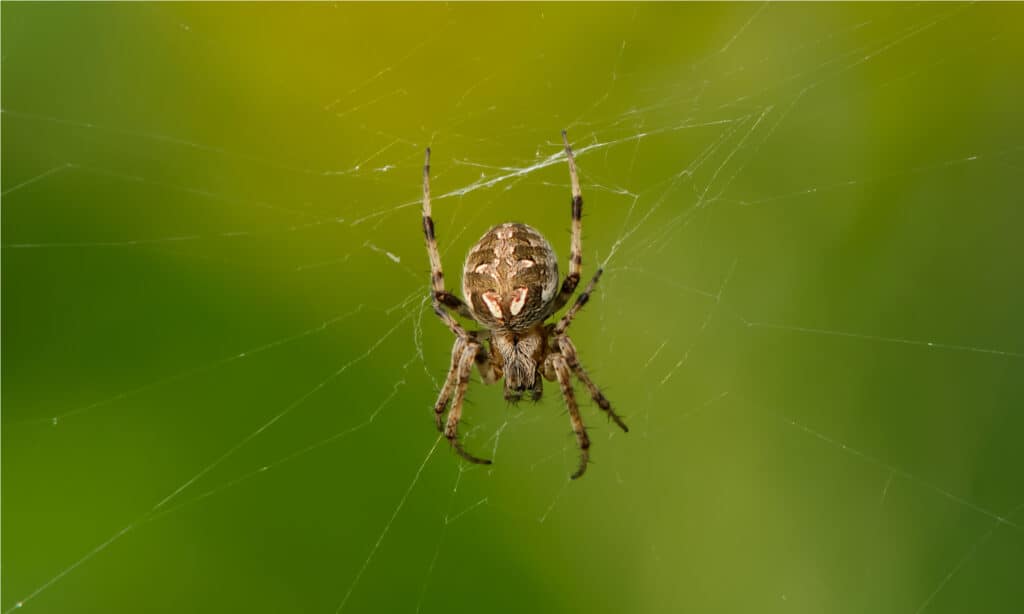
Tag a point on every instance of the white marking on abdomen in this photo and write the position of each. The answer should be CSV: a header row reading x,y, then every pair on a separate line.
x,y
550,283
493,303
518,300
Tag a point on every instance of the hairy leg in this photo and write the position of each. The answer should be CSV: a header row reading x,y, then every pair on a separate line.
x,y
576,246
442,299
451,430
449,383
564,376
568,349
581,300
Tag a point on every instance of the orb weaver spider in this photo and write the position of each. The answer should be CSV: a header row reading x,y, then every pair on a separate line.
x,y
510,280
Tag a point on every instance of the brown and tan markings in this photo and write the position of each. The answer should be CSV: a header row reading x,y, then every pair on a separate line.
x,y
510,280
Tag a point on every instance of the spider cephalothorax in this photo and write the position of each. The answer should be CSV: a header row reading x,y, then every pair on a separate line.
x,y
511,284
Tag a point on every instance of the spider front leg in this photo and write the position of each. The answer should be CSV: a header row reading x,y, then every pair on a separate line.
x,y
444,301
576,246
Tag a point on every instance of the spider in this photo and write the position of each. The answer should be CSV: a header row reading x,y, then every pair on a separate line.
x,y
510,282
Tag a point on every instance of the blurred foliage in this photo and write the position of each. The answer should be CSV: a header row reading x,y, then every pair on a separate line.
x,y
214,279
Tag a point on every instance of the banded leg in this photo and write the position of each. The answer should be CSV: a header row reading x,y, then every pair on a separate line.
x,y
449,382
581,300
454,303
568,349
442,299
451,430
576,247
564,376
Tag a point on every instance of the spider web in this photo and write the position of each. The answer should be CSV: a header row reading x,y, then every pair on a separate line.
x,y
220,361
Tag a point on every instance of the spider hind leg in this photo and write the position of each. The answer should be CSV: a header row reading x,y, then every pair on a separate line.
x,y
461,377
461,451
572,359
557,364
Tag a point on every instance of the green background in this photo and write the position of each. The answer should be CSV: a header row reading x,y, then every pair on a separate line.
x,y
218,365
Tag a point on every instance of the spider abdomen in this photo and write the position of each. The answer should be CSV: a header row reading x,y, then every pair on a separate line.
x,y
510,277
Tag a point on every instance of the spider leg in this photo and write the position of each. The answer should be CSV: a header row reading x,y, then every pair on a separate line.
x,y
564,375
568,349
581,300
576,247
442,299
454,303
449,382
451,430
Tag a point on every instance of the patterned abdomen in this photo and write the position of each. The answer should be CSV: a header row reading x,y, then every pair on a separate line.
x,y
510,277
